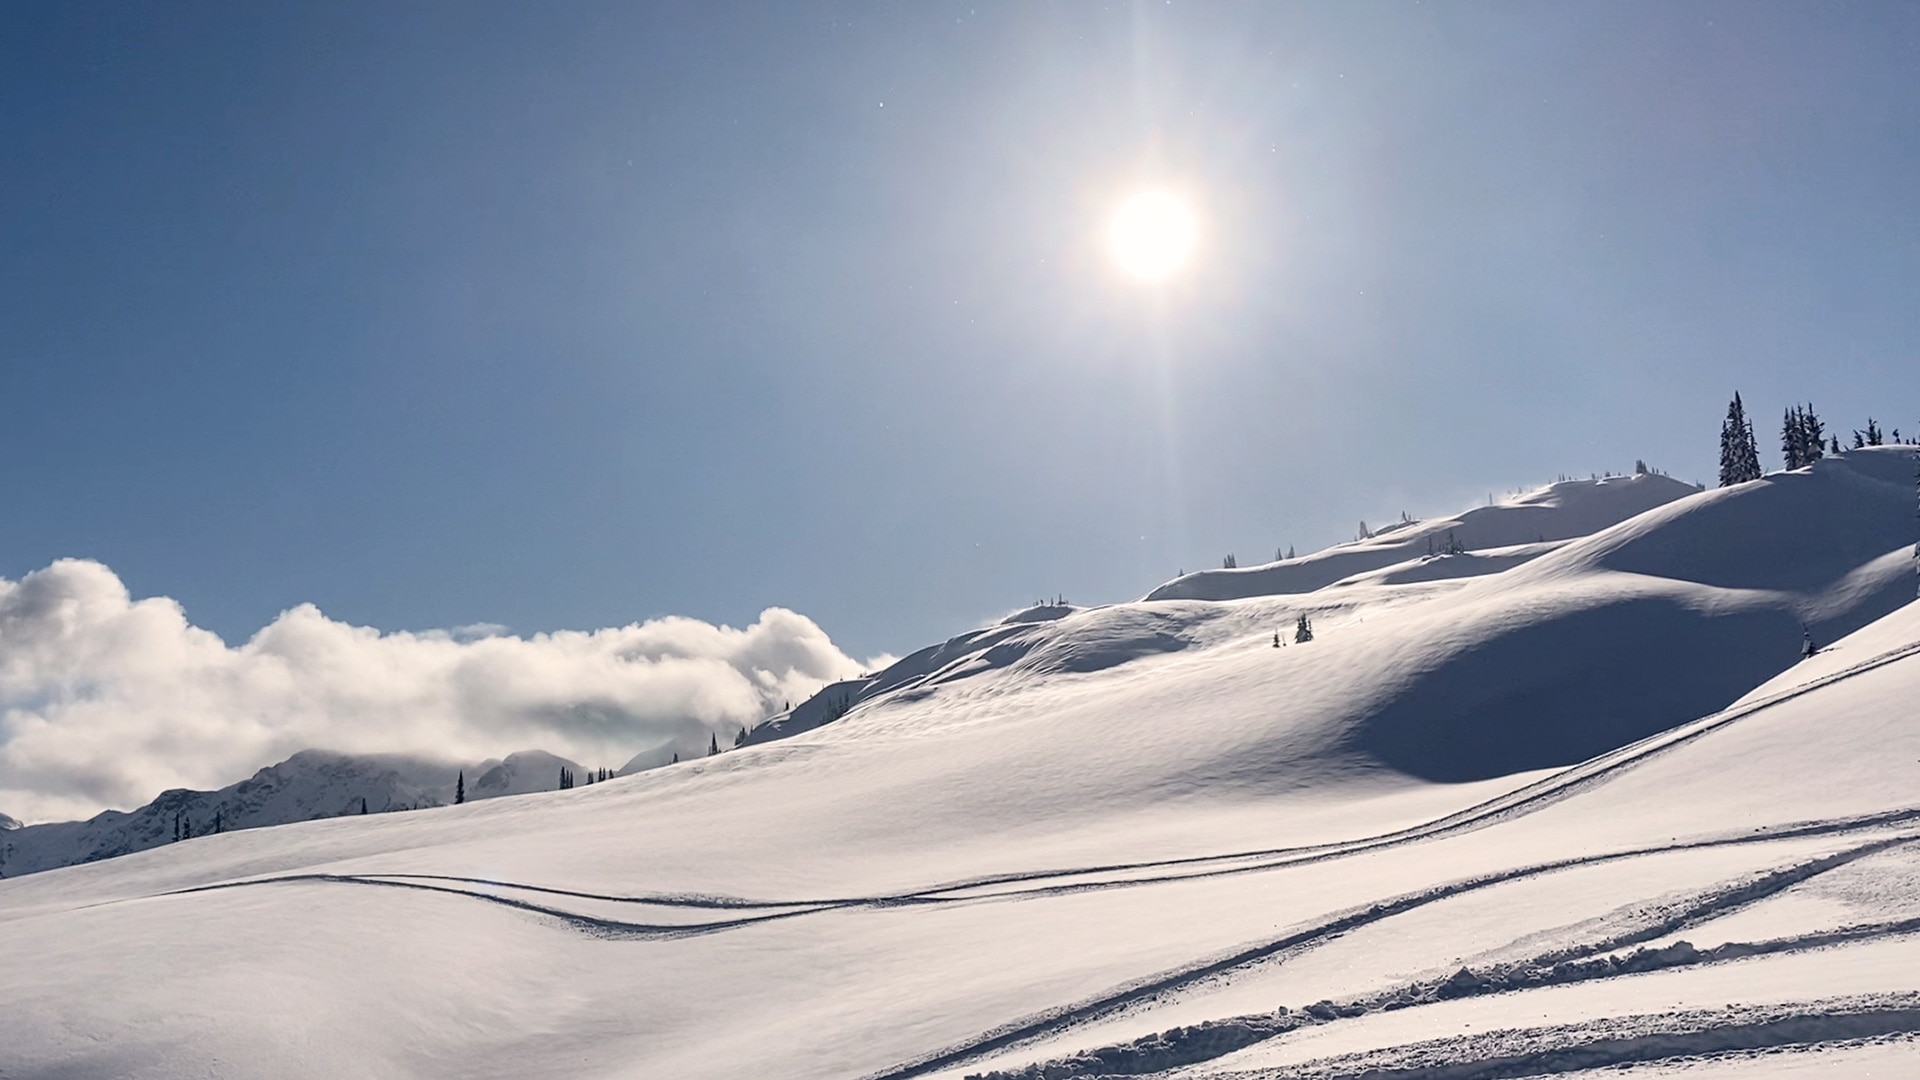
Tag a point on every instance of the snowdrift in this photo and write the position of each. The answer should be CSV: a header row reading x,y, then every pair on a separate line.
x,y
1139,837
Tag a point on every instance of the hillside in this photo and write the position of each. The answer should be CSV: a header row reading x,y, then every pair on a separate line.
x,y
1462,832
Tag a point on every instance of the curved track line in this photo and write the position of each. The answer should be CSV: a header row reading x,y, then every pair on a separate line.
x,y
1805,1025
1526,799
1553,968
592,925
1052,1020
1518,802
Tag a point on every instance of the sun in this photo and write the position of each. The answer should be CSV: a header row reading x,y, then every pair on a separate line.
x,y
1152,235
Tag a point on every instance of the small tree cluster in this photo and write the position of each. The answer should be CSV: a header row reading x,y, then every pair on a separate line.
x,y
1302,630
1869,437
1803,438
1229,562
566,778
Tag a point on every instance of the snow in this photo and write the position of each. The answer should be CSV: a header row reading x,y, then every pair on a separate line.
x,y
1083,827
310,784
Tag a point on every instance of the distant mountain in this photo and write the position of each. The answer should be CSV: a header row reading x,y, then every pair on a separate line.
x,y
310,784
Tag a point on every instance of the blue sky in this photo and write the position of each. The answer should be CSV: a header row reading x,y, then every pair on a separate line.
x,y
571,315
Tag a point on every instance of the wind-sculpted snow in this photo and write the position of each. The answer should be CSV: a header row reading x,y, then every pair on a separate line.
x,y
1561,511
1149,836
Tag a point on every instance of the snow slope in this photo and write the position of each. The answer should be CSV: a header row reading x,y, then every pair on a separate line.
x,y
1558,512
1461,833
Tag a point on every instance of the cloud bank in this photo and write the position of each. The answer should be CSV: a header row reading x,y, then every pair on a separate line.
x,y
105,701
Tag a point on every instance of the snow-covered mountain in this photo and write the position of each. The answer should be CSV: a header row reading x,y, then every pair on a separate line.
x,y
1568,800
310,784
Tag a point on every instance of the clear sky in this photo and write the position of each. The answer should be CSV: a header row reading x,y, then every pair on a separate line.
x,y
569,315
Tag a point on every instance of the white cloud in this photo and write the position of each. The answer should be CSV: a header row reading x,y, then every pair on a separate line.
x,y
105,700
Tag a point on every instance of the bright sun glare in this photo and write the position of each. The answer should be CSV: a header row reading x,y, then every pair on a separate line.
x,y
1152,235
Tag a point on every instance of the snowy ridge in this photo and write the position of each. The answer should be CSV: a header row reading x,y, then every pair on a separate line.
x,y
1520,526
1584,808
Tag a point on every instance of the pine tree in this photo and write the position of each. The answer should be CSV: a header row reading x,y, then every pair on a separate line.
x,y
1874,438
186,828
1815,433
1739,454
676,758
1229,563
219,820
363,804
1836,450
1793,439
713,744
1302,630
459,789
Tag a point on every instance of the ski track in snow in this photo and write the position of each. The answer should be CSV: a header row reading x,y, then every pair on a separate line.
x,y
1711,904
1468,1061
1525,800
1515,959
1620,1041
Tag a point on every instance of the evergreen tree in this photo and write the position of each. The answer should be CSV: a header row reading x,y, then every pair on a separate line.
x,y
1815,433
1836,449
713,744
1874,437
219,820
186,827
1793,439
1229,563
363,804
459,789
176,826
676,758
1739,454
1289,551
1302,630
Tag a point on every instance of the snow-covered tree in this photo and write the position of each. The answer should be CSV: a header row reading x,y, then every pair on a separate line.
x,y
1302,630
1739,454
